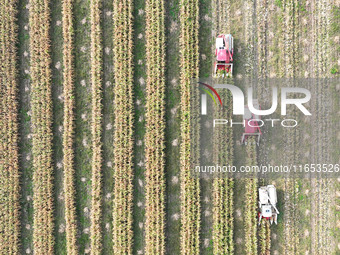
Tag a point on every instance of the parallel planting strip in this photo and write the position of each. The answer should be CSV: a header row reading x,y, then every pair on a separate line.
x,y
262,64
123,124
68,135
250,219
290,70
9,166
323,241
264,238
223,187
154,139
41,103
190,189
251,185
96,126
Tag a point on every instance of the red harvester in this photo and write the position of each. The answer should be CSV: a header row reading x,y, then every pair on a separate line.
x,y
251,124
224,55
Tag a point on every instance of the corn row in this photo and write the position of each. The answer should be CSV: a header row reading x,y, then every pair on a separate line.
x,y
154,140
223,227
68,136
96,126
124,121
264,238
250,220
9,166
223,216
41,104
190,190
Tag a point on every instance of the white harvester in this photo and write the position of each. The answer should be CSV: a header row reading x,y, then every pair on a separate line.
x,y
267,204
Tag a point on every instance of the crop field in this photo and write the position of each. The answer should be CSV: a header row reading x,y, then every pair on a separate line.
x,y
97,141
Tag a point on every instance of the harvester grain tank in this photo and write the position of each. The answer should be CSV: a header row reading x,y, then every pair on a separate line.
x,y
267,204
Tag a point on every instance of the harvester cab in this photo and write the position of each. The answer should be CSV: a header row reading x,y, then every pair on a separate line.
x,y
267,204
251,124
224,55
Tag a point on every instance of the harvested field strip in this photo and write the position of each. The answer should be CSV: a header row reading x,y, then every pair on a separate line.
x,y
262,45
9,166
124,121
251,185
68,135
96,127
41,103
290,15
262,27
323,195
251,202
249,36
190,189
262,13
154,139
290,70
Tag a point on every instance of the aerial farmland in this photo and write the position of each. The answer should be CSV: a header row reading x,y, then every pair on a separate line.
x,y
103,120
